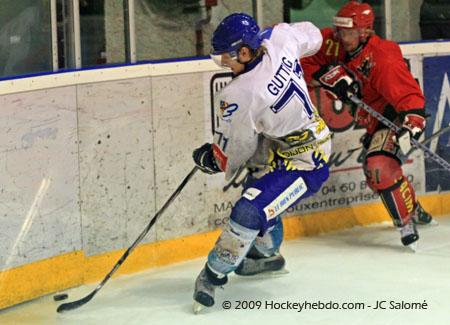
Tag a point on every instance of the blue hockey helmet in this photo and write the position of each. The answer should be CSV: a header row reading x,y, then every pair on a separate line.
x,y
233,32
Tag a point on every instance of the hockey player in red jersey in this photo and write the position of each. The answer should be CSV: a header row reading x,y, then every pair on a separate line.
x,y
354,60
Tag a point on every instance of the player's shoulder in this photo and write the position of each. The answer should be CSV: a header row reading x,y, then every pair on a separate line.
x,y
383,49
328,33
293,26
303,27
280,33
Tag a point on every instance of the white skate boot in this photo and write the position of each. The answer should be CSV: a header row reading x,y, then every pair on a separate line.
x,y
409,235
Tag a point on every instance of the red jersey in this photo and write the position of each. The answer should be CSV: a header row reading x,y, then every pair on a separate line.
x,y
381,69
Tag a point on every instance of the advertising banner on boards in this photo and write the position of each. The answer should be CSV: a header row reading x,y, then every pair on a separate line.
x,y
436,72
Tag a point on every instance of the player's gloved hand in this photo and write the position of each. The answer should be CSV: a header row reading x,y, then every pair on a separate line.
x,y
338,81
412,128
204,159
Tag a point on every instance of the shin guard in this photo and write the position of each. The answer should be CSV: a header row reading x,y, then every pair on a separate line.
x,y
231,248
400,201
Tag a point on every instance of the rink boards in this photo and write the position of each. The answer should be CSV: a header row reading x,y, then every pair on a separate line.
x,y
88,157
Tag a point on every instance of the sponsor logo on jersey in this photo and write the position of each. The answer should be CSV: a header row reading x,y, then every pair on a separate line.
x,y
300,137
226,110
298,150
286,199
365,66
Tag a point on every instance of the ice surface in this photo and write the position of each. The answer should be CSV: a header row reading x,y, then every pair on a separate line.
x,y
359,265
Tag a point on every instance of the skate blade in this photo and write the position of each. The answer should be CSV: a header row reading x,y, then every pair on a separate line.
x,y
283,271
269,274
413,247
197,307
432,223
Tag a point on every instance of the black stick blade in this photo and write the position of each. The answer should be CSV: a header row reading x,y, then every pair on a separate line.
x,y
75,304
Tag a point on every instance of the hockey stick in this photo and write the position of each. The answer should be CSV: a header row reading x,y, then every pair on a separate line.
x,y
431,138
424,141
78,303
428,153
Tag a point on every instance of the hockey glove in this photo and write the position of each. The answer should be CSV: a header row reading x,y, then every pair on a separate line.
x,y
412,128
204,159
338,81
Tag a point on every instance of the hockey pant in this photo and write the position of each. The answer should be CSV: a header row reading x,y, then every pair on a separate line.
x,y
255,218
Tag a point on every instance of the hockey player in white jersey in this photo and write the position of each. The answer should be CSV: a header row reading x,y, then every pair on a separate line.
x,y
269,125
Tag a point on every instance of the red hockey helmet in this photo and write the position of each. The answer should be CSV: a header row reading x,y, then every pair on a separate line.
x,y
355,15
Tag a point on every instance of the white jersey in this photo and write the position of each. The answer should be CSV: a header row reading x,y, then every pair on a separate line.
x,y
266,112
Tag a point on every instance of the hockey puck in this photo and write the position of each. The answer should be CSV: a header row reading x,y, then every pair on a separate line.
x,y
60,297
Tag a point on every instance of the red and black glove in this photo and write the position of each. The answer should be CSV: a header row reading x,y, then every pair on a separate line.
x,y
412,128
338,81
205,160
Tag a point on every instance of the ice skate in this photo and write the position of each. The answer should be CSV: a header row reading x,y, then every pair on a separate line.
x,y
409,235
254,264
205,287
197,307
423,218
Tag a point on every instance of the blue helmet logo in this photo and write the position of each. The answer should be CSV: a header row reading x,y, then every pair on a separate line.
x,y
233,32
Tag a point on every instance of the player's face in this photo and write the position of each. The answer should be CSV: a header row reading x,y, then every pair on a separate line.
x,y
228,60
232,63
349,38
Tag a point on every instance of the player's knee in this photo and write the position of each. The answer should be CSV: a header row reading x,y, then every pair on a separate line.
x,y
246,214
382,171
231,247
271,241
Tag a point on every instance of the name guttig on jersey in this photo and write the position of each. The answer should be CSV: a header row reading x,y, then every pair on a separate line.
x,y
267,110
